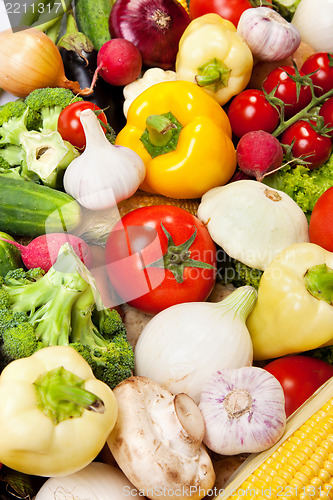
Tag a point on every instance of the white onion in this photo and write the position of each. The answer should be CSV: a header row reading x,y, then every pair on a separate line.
x,y
97,481
181,346
314,20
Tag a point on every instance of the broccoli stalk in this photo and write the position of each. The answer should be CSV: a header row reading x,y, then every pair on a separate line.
x,y
29,138
63,307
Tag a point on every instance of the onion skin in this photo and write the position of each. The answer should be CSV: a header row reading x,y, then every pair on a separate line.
x,y
29,60
158,43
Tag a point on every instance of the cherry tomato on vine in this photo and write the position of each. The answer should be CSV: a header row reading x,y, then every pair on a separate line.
x,y
321,221
322,64
286,89
250,111
159,256
326,111
69,124
307,143
300,376
228,9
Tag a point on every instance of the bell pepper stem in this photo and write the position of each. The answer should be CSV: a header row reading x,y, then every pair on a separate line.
x,y
159,129
319,282
60,395
213,73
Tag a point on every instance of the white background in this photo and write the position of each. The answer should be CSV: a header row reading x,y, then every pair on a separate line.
x,y
4,21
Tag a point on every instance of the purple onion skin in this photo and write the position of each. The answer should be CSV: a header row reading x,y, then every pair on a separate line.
x,y
153,26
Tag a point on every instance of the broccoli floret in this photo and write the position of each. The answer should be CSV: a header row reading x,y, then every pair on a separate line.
x,y
61,308
109,323
19,341
45,106
42,156
20,276
48,300
17,336
110,355
12,109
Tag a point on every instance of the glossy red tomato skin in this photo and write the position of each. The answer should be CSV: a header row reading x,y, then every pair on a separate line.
x,y
139,238
286,89
321,221
250,111
323,76
228,9
308,144
326,111
300,376
69,125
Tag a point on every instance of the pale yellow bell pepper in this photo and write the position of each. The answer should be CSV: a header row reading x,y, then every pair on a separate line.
x,y
294,310
212,54
55,416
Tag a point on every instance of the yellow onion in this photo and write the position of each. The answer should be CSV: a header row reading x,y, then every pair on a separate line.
x,y
29,59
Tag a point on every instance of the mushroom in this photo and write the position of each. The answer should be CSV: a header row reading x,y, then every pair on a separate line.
x,y
157,441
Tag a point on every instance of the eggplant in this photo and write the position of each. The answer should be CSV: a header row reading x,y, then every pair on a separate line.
x,y
106,96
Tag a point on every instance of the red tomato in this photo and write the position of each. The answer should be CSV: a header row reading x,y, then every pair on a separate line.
x,y
308,144
321,221
228,9
326,111
69,124
140,258
286,89
300,377
250,111
322,64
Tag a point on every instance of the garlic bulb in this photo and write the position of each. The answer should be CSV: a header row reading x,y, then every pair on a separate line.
x,y
252,222
182,345
269,36
104,174
243,410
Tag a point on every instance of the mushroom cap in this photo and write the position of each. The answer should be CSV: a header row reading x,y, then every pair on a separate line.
x,y
157,441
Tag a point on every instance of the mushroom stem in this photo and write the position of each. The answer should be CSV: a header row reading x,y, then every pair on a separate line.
x,y
180,423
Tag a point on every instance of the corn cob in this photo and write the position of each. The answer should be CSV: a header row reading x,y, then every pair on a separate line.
x,y
300,465
96,224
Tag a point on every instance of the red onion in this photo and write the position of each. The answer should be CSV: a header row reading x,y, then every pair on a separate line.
x,y
153,26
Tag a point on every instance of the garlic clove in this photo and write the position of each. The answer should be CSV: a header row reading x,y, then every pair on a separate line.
x,y
243,410
269,36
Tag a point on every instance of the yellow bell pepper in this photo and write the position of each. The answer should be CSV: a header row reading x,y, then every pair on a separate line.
x,y
184,138
294,310
212,54
55,416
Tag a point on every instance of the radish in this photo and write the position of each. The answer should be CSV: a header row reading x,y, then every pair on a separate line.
x,y
259,154
119,62
43,250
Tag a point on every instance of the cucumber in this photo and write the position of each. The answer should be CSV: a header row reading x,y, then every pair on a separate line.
x,y
10,256
92,19
30,209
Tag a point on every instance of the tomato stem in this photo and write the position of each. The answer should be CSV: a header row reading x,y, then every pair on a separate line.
x,y
177,257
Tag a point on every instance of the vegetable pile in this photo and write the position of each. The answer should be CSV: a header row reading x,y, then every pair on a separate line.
x,y
166,255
